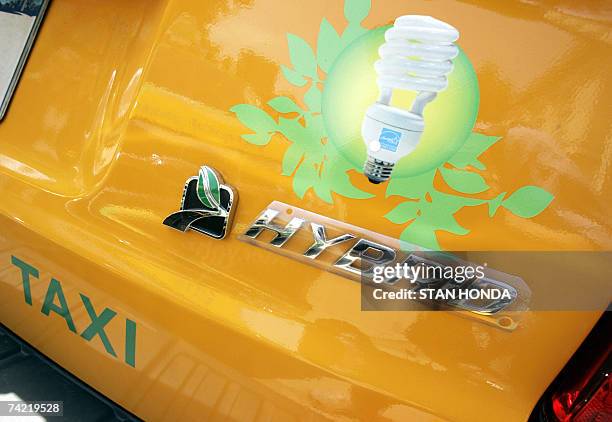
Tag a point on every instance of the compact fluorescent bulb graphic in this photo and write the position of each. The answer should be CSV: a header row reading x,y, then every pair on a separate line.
x,y
417,56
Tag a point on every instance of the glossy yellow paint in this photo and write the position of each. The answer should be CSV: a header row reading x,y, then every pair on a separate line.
x,y
121,102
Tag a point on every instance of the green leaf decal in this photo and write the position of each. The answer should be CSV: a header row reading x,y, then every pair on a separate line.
x,y
302,180
356,10
473,147
452,203
314,162
337,179
464,181
439,214
528,201
329,45
284,105
324,192
311,160
443,220
403,213
314,126
351,33
419,233
302,56
312,98
412,187
208,188
292,130
495,203
261,138
435,215
343,186
293,77
254,118
291,159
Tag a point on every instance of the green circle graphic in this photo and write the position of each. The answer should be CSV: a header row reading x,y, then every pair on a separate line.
x,y
350,88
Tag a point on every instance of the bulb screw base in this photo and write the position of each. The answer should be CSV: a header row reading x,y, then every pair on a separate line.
x,y
377,171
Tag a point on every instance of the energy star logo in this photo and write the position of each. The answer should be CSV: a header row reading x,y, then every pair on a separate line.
x,y
389,139
207,206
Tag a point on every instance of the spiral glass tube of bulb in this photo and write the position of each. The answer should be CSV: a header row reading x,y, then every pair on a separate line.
x,y
417,56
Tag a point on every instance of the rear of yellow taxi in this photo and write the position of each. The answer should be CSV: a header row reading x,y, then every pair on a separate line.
x,y
121,102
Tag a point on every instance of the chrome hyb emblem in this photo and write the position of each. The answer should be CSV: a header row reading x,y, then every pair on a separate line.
x,y
379,262
207,205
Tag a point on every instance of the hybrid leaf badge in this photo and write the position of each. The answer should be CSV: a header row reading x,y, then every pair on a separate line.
x,y
207,205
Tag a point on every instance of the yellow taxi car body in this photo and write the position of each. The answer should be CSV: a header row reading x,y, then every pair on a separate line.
x,y
121,102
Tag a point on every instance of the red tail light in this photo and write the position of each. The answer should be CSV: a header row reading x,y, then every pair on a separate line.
x,y
581,392
584,406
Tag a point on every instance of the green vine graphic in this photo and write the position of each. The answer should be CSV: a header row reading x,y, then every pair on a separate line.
x,y
315,163
429,209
